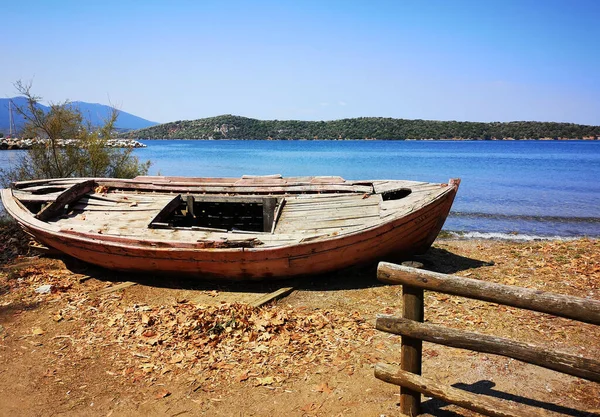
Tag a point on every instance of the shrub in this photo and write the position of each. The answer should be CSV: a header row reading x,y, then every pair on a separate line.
x,y
86,157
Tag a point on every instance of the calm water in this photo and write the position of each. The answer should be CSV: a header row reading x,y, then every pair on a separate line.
x,y
533,188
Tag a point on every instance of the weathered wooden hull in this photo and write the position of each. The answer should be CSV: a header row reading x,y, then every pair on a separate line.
x,y
399,236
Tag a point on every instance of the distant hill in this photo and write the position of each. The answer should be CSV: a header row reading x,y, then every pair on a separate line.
x,y
237,127
93,112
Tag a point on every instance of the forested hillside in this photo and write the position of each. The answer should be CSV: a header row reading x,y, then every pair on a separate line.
x,y
236,127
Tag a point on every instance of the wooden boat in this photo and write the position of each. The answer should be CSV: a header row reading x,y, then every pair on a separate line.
x,y
236,228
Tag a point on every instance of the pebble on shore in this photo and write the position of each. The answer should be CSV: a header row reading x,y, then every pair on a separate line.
x,y
18,144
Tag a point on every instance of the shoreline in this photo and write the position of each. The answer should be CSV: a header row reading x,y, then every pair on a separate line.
x,y
507,237
384,140
15,144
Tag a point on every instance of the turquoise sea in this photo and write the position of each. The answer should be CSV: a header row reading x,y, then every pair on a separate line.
x,y
517,189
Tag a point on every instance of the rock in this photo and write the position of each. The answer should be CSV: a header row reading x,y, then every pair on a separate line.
x,y
44,289
15,144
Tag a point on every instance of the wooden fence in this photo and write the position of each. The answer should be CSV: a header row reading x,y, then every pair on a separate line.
x,y
413,331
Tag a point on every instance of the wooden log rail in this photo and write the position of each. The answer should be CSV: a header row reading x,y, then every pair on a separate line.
x,y
580,309
413,331
525,352
484,405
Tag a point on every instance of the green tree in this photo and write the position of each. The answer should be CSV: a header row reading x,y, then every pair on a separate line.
x,y
86,156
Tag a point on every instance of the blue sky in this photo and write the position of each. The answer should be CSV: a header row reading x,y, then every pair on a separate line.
x,y
480,60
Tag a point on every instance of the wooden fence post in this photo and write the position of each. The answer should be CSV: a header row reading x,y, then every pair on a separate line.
x,y
411,349
413,331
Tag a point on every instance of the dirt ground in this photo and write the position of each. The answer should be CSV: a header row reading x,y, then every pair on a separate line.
x,y
183,347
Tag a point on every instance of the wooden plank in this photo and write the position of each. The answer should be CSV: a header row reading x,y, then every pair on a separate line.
x,y
278,179
315,224
269,206
241,189
114,288
327,180
96,202
136,227
166,210
562,362
312,231
332,198
91,216
123,203
20,265
282,292
319,229
154,243
411,348
158,225
388,215
581,309
134,224
280,205
66,197
125,198
330,212
26,184
326,215
126,208
43,250
317,207
383,187
136,195
318,211
41,188
253,177
26,197
337,230
316,203
130,215
339,200
229,180
151,178
189,205
228,199
106,198
332,215
415,200
312,237
474,402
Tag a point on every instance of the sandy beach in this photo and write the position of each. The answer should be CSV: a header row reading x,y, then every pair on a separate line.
x,y
105,343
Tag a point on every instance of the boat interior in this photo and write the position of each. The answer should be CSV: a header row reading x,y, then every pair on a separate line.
x,y
268,211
